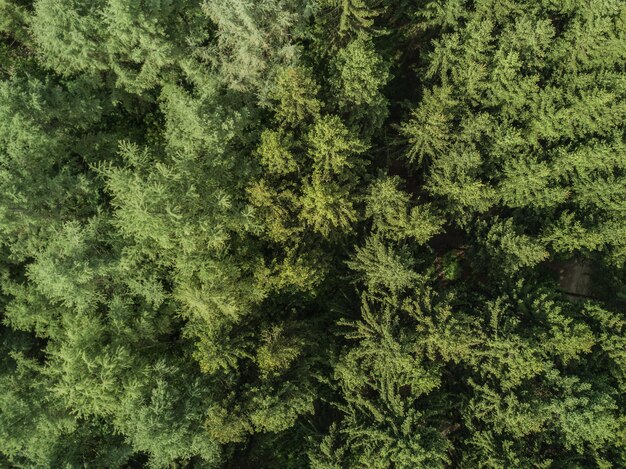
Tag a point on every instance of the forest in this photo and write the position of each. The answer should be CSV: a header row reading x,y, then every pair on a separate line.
x,y
327,234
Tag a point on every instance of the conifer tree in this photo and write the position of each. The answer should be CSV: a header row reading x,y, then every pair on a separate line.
x,y
312,233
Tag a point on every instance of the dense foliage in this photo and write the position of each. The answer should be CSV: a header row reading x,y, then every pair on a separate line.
x,y
313,233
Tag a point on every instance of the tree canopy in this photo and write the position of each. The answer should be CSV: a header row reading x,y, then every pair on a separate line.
x,y
313,233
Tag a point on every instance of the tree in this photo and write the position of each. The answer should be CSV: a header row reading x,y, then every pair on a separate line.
x,y
524,117
328,234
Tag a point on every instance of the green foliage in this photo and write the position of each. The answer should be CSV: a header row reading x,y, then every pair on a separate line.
x,y
385,419
394,218
294,92
325,208
513,120
139,44
355,17
253,38
326,233
361,73
383,268
451,269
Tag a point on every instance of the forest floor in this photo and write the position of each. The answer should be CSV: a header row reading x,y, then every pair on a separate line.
x,y
575,278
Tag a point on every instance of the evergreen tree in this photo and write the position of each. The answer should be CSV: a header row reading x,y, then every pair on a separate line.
x,y
312,233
